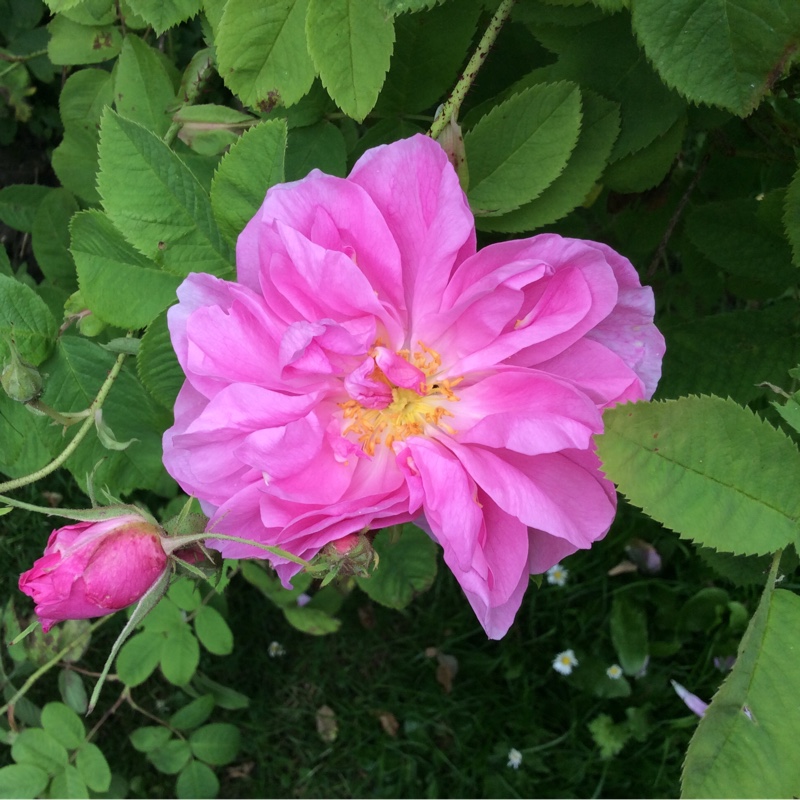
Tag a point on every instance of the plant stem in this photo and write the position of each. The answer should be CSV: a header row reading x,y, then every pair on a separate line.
x,y
453,103
23,690
97,403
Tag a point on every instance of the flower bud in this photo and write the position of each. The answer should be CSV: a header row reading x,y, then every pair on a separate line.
x,y
92,569
351,555
21,380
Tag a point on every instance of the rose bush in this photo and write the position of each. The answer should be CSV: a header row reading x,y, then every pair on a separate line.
x,y
92,569
371,368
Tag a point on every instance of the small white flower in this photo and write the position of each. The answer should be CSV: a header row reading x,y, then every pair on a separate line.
x,y
614,672
564,662
557,575
276,649
514,758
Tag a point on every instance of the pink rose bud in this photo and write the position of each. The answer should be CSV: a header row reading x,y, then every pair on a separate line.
x,y
92,569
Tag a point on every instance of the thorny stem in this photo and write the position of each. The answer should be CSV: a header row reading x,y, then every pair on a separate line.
x,y
124,695
453,103
97,403
23,690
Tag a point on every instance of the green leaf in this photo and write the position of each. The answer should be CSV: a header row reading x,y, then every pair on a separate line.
x,y
171,757
142,87
180,657
599,130
261,51
350,42
150,737
197,780
213,632
19,203
118,283
733,754
138,659
224,696
64,725
163,14
791,216
721,52
429,50
69,783
193,714
311,620
406,568
76,371
648,108
24,315
610,737
319,146
71,43
93,767
703,610
158,365
75,164
37,747
707,468
629,635
160,207
185,593
646,168
22,781
253,164
92,12
520,147
216,744
73,690
51,238
84,97
729,354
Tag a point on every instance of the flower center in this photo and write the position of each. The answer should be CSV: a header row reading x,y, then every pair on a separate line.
x,y
410,411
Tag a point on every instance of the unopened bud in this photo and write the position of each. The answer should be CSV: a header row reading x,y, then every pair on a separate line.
x,y
351,555
21,380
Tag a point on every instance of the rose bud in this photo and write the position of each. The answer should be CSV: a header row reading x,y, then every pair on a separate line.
x,y
92,569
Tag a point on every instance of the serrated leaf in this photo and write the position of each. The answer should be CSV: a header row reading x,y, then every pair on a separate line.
x,y
92,12
428,52
63,724
599,130
93,767
216,744
722,52
22,781
197,780
19,203
25,316
791,216
76,372
731,353
734,753
158,365
520,147
138,659
319,146
261,50
350,42
75,164
253,164
142,87
707,468
407,567
117,283
50,238
160,207
37,747
164,14
213,632
71,43
84,96
180,657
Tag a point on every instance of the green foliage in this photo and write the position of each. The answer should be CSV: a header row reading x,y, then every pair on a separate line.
x,y
351,46
517,150
262,53
163,14
18,204
629,635
749,728
25,317
719,52
707,468
72,43
158,366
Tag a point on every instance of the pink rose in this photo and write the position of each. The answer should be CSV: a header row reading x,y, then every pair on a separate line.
x,y
370,368
91,569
